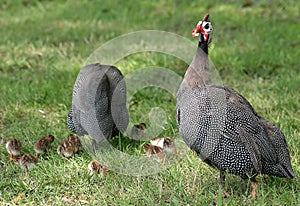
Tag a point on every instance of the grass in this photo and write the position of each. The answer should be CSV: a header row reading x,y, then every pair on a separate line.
x,y
44,44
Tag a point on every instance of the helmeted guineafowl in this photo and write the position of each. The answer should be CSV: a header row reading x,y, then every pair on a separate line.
x,y
99,103
222,127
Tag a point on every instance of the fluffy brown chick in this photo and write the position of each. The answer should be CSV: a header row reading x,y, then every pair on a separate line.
x,y
43,144
75,140
138,131
96,167
66,149
27,162
166,143
155,152
13,147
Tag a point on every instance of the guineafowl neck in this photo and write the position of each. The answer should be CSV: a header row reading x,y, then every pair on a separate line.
x,y
197,75
203,47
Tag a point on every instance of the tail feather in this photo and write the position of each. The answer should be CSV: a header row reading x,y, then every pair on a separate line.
x,y
280,170
289,173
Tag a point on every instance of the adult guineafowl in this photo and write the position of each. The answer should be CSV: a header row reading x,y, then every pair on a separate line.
x,y
222,127
99,103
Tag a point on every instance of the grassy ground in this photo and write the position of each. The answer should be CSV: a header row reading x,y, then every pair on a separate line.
x,y
44,44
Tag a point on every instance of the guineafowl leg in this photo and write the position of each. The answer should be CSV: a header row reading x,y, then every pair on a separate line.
x,y
26,169
222,183
222,178
10,157
254,185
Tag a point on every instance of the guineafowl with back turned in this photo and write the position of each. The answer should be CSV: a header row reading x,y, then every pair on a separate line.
x,y
99,103
222,127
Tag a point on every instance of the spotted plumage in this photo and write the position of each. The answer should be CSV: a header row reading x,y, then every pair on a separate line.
x,y
222,127
70,122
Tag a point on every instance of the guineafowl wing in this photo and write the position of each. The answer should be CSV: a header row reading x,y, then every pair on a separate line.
x,y
244,121
252,148
205,115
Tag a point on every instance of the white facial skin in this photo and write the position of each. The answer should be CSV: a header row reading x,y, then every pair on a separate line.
x,y
207,27
208,30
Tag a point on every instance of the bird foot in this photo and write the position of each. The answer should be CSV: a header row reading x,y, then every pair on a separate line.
x,y
11,158
253,193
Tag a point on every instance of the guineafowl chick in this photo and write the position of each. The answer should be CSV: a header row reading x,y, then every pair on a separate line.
x,y
75,140
43,144
138,131
222,127
166,143
66,149
96,167
27,162
13,147
155,152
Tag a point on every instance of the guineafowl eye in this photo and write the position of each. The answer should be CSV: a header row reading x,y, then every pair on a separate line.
x,y
206,26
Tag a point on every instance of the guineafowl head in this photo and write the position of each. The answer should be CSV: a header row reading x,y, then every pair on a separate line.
x,y
204,29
